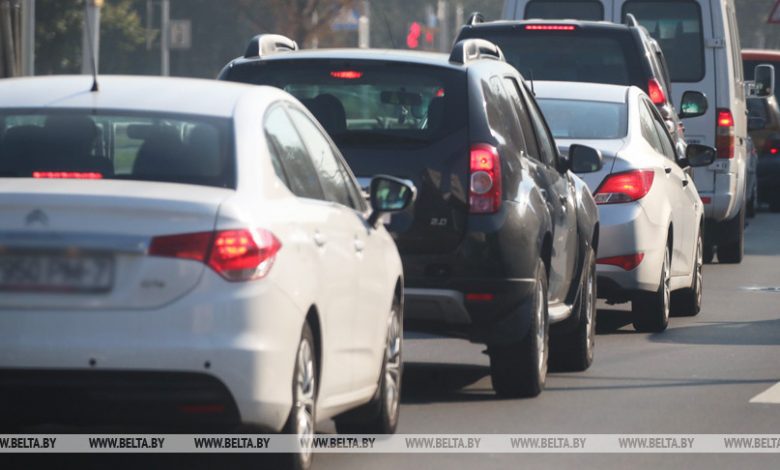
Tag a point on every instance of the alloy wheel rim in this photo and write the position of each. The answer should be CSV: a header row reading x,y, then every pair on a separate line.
x,y
699,268
305,390
540,330
667,285
393,367
589,314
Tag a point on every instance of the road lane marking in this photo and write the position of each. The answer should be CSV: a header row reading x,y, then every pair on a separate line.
x,y
770,395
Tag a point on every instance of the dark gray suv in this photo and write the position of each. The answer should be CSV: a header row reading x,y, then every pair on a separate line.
x,y
501,242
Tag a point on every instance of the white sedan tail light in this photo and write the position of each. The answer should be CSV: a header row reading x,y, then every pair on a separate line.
x,y
236,255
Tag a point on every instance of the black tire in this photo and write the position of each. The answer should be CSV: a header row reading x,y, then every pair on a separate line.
x,y
752,204
380,415
687,302
302,417
733,252
573,351
651,309
520,369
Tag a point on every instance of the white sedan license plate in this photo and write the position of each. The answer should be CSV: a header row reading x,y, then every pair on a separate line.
x,y
56,273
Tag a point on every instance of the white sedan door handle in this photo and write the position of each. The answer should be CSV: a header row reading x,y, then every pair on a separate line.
x,y
319,239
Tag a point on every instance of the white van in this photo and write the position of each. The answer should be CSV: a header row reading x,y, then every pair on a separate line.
x,y
700,40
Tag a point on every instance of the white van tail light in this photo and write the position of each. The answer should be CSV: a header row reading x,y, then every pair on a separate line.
x,y
236,255
724,137
485,184
624,187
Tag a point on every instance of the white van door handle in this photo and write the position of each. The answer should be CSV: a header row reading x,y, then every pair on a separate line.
x,y
360,245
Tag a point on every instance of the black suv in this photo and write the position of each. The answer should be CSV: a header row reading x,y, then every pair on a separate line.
x,y
501,242
585,51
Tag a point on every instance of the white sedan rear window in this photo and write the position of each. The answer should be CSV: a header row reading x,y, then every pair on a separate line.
x,y
75,144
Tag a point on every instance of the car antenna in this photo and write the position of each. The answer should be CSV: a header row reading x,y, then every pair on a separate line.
x,y
389,30
90,40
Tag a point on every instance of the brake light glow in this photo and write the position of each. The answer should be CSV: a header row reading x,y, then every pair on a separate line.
x,y
346,74
656,92
479,297
627,262
236,255
624,187
78,175
550,27
773,150
485,185
724,136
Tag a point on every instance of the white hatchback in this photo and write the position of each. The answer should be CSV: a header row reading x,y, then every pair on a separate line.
x,y
650,215
190,251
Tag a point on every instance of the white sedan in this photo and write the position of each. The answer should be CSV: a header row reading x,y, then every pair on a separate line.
x,y
190,251
650,214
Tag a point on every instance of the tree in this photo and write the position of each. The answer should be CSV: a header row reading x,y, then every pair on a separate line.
x,y
58,29
301,20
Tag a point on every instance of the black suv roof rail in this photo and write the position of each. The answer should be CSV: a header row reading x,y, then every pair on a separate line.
x,y
267,44
475,18
631,20
469,50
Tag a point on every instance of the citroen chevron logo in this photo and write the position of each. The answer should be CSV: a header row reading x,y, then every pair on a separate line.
x,y
37,217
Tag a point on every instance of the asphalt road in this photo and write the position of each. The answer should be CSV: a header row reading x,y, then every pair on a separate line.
x,y
697,377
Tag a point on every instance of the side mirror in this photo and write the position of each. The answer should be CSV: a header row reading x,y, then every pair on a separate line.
x,y
764,82
389,194
756,123
584,159
698,155
693,104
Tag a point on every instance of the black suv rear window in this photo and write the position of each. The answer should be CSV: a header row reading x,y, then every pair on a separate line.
x,y
591,10
676,25
374,102
116,145
593,55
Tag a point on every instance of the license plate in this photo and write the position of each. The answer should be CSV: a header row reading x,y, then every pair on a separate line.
x,y
56,273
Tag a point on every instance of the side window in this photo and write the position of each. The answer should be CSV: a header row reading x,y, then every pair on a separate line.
x,y
546,141
286,144
332,175
648,128
504,121
525,121
664,139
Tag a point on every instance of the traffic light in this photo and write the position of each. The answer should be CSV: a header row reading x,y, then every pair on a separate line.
x,y
413,38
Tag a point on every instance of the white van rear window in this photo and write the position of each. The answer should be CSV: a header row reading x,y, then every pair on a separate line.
x,y
589,10
676,25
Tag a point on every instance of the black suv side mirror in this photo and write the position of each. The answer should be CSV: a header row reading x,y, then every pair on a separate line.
x,y
764,83
389,194
698,155
584,159
693,104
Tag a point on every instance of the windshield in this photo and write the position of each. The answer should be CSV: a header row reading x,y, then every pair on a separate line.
x,y
575,119
376,103
676,25
136,146
591,10
595,55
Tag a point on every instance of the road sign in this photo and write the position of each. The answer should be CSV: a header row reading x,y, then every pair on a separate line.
x,y
774,15
181,34
347,20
